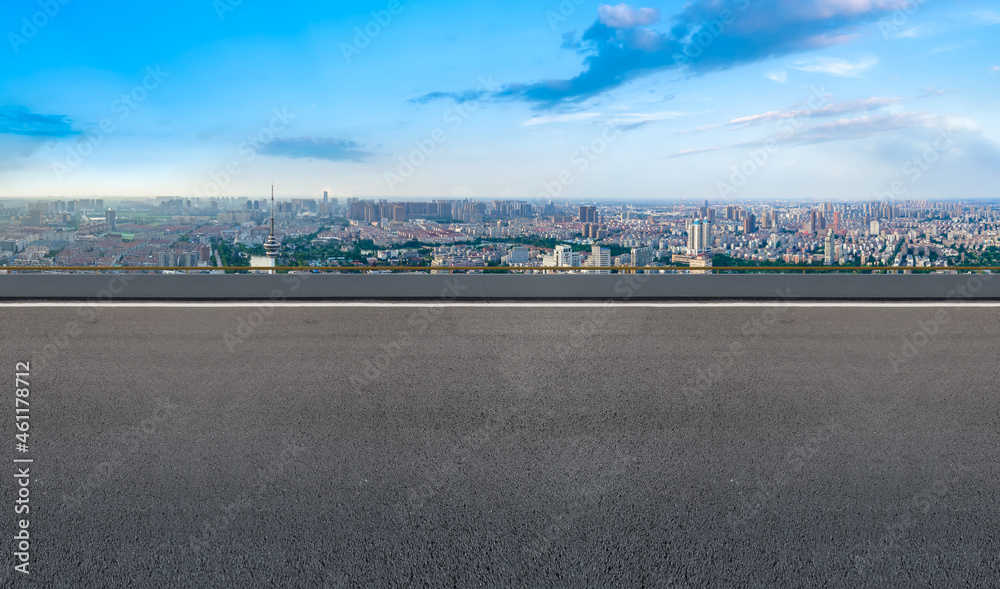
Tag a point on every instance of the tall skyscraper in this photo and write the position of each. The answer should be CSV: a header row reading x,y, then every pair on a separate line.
x,y
588,214
110,218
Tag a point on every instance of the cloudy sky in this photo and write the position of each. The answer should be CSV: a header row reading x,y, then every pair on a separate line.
x,y
710,99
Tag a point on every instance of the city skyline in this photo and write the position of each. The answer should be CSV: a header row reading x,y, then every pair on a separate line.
x,y
835,100
221,234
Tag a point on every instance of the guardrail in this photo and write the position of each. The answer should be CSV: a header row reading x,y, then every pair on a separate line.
x,y
443,287
507,269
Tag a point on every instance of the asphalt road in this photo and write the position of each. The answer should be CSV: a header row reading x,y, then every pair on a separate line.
x,y
541,447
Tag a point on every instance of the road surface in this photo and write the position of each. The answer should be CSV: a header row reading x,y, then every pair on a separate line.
x,y
507,446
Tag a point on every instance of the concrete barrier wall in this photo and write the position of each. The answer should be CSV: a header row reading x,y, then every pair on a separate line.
x,y
498,287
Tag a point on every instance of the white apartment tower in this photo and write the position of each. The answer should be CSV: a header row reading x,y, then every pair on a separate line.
x,y
828,248
600,257
699,236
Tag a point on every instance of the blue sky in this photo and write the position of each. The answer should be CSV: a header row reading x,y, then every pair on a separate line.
x,y
711,99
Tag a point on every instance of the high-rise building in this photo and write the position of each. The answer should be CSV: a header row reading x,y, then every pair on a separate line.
x,y
828,248
642,257
588,214
565,257
110,217
519,255
594,231
813,222
600,257
749,224
699,236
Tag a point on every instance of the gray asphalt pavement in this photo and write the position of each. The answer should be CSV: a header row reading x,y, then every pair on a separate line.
x,y
541,447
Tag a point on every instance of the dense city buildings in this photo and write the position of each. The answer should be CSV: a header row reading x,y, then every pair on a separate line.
x,y
198,234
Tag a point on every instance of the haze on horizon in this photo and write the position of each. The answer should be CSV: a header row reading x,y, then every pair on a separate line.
x,y
817,99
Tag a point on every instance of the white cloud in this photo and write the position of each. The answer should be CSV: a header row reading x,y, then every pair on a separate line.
x,y
780,77
569,118
842,130
836,67
624,16
937,50
913,33
828,8
651,116
830,110
989,17
996,68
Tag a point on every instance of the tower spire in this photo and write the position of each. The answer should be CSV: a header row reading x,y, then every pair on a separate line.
x,y
272,245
